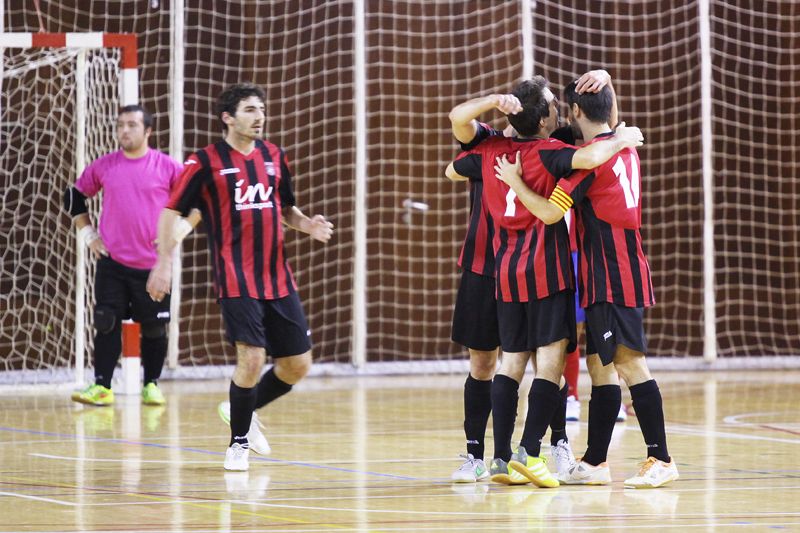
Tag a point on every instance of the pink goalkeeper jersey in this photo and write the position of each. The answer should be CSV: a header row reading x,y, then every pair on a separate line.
x,y
134,193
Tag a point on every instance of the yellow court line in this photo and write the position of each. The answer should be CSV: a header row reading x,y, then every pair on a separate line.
x,y
37,483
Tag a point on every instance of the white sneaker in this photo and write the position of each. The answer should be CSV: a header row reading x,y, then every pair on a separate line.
x,y
471,471
563,458
258,442
573,409
586,474
653,474
622,416
236,458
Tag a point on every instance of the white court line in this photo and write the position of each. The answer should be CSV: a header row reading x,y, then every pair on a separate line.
x,y
277,462
38,499
689,430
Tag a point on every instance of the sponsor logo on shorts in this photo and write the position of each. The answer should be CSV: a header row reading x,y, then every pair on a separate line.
x,y
607,335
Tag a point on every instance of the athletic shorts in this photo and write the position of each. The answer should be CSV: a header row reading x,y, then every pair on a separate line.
x,y
123,290
475,313
526,326
279,326
580,314
608,325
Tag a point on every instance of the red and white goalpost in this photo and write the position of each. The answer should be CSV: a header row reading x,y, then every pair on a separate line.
x,y
61,94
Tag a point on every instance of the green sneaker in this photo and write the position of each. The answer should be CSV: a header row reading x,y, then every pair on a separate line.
x,y
152,395
94,395
501,473
533,468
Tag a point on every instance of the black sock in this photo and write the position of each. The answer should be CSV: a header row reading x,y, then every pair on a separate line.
x,y
558,425
543,400
242,404
603,409
154,351
107,348
649,409
505,397
270,388
477,407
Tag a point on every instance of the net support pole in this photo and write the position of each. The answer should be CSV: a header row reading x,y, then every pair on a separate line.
x,y
526,8
709,300
80,248
359,331
176,152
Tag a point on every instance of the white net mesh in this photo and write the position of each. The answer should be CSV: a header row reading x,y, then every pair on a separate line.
x,y
422,58
37,242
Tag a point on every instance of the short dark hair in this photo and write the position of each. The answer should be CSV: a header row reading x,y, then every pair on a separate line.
x,y
534,106
596,106
147,117
229,99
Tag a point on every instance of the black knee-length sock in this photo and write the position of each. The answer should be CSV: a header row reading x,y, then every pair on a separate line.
x,y
603,409
270,388
649,407
505,397
543,400
558,425
477,407
243,402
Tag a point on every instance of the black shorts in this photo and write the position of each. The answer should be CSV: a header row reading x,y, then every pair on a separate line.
x,y
475,313
526,326
279,326
608,325
123,290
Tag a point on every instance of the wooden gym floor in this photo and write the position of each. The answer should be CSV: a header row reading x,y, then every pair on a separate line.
x,y
376,454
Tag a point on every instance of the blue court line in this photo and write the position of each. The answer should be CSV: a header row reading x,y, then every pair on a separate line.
x,y
199,450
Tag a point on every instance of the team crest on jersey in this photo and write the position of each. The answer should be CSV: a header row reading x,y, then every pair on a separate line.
x,y
269,166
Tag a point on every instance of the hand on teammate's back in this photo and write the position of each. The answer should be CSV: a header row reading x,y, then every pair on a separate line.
x,y
630,135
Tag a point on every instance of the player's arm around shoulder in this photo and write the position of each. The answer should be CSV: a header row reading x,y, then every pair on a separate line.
x,y
595,154
511,174
318,227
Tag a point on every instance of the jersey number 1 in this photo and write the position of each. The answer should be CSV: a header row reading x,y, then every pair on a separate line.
x,y
629,186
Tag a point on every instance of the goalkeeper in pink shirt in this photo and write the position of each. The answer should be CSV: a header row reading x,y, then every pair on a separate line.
x,y
136,182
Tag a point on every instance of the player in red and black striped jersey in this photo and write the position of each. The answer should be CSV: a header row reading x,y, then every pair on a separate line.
x,y
615,284
475,322
242,185
532,263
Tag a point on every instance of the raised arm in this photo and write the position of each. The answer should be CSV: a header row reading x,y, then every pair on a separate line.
x,y
463,116
593,81
511,174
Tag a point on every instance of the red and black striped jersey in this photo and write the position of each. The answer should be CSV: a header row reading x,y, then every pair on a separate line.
x,y
532,260
606,200
241,198
477,254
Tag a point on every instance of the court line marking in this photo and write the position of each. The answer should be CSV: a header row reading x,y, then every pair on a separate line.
x,y
38,498
209,504
206,452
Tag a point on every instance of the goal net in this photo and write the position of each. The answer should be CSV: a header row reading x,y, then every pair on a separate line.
x,y
421,58
50,125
